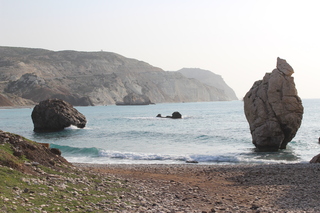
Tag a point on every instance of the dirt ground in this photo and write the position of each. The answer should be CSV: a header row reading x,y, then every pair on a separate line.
x,y
244,188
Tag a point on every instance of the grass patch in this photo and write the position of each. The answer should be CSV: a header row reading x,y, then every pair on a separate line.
x,y
21,192
60,188
7,157
6,147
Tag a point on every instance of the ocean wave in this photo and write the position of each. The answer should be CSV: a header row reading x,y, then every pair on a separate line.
x,y
72,127
139,156
215,158
165,157
77,151
95,155
85,153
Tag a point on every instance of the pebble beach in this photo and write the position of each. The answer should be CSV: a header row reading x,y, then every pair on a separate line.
x,y
214,188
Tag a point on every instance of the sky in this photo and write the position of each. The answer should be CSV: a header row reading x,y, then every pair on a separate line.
x,y
237,39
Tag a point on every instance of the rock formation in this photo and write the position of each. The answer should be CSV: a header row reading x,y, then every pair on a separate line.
x,y
315,159
29,76
273,109
55,115
175,115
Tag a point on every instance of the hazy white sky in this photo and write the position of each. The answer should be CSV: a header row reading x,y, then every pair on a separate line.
x,y
237,39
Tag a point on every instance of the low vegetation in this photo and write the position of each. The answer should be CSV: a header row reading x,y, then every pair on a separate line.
x,y
30,186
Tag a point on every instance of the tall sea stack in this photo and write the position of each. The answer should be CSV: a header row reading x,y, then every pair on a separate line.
x,y
273,109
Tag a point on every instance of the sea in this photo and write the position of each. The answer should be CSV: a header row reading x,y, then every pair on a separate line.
x,y
209,133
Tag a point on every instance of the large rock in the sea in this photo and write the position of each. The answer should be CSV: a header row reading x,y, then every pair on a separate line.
x,y
55,115
273,109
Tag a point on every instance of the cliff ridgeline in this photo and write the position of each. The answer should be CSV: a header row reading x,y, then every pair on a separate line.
x,y
28,76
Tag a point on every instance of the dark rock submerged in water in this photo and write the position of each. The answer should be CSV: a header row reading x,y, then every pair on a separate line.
x,y
175,115
54,115
273,109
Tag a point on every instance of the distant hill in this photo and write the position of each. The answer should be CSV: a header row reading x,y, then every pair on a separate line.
x,y
28,76
209,78
5,101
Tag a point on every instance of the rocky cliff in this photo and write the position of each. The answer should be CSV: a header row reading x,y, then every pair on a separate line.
x,y
209,78
28,76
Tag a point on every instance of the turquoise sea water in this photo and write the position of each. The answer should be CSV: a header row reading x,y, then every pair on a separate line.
x,y
209,132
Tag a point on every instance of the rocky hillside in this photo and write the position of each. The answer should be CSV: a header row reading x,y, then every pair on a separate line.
x,y
28,76
209,78
20,153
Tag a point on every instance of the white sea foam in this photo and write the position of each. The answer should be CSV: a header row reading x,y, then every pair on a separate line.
x,y
165,157
140,156
72,127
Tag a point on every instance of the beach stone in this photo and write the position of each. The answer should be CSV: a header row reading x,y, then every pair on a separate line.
x,y
273,109
315,159
56,151
54,115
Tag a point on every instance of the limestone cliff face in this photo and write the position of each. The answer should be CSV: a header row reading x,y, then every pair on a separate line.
x,y
93,78
209,78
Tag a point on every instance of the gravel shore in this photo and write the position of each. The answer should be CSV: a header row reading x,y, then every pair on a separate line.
x,y
225,188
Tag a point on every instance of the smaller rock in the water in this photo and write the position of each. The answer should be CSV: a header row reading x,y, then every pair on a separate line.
x,y
55,115
174,115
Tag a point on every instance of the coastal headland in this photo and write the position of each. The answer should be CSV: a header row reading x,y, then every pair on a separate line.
x,y
30,75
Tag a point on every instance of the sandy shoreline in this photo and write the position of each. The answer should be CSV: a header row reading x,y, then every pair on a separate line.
x,y
220,188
